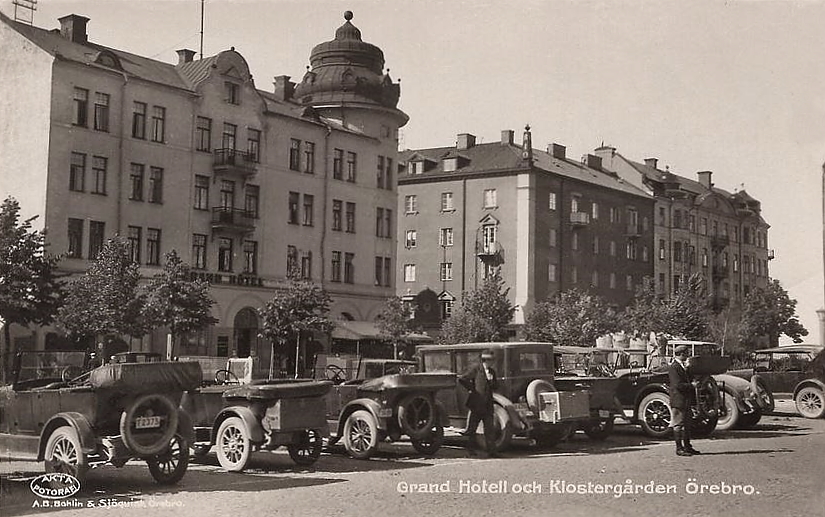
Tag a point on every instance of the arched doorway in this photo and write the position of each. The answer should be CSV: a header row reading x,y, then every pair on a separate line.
x,y
246,330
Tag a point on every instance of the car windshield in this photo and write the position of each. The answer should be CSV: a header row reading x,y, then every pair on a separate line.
x,y
50,365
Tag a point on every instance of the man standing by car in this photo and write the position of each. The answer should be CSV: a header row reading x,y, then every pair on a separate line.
x,y
681,391
480,381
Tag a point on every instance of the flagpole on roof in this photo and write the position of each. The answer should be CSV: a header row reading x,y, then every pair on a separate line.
x,y
202,12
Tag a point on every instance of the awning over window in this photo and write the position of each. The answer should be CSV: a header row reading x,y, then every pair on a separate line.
x,y
360,330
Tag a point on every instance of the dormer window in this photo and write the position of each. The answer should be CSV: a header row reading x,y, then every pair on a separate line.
x,y
417,167
107,59
450,164
232,93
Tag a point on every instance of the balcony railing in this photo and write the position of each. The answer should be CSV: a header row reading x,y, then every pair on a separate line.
x,y
232,219
232,161
579,218
720,272
633,230
490,251
771,254
719,241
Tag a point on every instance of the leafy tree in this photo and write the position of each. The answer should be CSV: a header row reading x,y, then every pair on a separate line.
x,y
770,311
685,313
483,315
293,313
105,300
572,318
174,301
30,291
395,322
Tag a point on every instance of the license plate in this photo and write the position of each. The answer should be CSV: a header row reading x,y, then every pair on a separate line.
x,y
603,413
147,422
385,413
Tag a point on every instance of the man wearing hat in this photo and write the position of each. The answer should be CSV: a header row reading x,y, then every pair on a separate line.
x,y
681,391
480,381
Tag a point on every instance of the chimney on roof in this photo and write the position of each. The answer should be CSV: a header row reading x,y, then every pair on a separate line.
x,y
594,162
465,141
652,162
73,28
557,150
185,55
507,136
284,88
705,178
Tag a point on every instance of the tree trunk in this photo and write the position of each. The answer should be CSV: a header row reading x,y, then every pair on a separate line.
x,y
297,354
7,351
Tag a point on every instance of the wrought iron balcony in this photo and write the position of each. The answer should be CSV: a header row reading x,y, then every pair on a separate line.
x,y
720,272
579,218
633,230
232,220
490,251
719,241
234,162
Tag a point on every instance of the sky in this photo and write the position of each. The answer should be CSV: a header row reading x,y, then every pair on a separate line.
x,y
736,87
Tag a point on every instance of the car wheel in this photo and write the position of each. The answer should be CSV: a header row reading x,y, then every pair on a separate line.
x,y
361,434
416,413
730,418
503,434
232,444
749,420
432,443
148,424
654,415
810,402
764,396
63,453
599,429
556,435
169,467
308,449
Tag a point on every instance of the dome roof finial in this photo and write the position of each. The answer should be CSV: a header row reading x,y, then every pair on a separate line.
x,y
348,15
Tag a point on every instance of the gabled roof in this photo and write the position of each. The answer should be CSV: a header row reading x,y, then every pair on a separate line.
x,y
497,157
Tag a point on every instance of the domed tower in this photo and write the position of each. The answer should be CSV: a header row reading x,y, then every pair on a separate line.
x,y
347,82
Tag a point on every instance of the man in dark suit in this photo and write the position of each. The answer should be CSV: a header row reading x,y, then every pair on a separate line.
x,y
682,393
480,381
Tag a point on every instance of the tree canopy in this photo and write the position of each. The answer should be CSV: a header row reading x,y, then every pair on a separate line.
x,y
395,321
769,312
685,313
572,318
483,314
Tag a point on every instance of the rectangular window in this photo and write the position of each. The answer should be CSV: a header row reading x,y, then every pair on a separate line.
x,y
613,280
447,202
387,272
349,268
352,166
703,226
490,198
379,270
551,201
81,107
677,251
551,272
553,237
253,145
379,177
99,166
409,272
574,274
155,185
574,241
292,215
135,239
337,207
594,211
101,112
410,239
661,249
153,246
97,230
379,222
227,193
309,157
224,254
306,266
488,235
388,175
645,254
250,257
704,257
574,204
201,193
446,271
252,200
309,209
632,250
390,231
231,93
411,204
350,217
291,260
629,283
75,238
136,182
445,237
158,123
139,120
595,244
199,251
612,248
336,266
77,172
294,154
338,164
229,137
203,134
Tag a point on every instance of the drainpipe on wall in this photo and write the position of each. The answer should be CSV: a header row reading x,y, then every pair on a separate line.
x,y
324,206
122,158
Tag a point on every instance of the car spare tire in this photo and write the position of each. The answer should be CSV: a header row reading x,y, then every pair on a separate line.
x,y
416,415
533,393
764,396
149,424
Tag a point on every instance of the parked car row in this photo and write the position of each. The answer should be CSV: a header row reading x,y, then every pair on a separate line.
x,y
73,415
